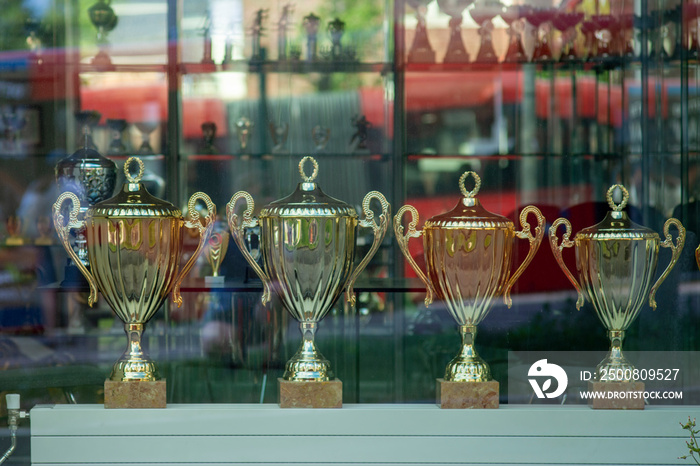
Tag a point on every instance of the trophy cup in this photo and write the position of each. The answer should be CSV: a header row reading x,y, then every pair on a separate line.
x,y
308,245
483,12
512,15
420,51
616,261
215,252
208,137
116,145
104,19
43,228
311,23
91,177
243,129
146,128
257,31
468,253
134,243
336,29
14,230
358,141
279,134
456,52
282,26
320,135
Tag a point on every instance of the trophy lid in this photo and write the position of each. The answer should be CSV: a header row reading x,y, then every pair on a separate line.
x,y
134,200
617,224
469,213
308,200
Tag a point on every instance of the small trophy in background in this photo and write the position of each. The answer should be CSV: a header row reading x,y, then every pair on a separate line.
x,y
208,138
320,135
421,50
358,141
104,19
14,231
116,145
45,230
206,32
244,128
279,134
215,251
257,31
282,26
146,128
311,23
336,29
456,52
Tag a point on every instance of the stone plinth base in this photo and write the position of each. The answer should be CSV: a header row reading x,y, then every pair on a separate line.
x,y
311,394
217,282
134,394
618,395
467,395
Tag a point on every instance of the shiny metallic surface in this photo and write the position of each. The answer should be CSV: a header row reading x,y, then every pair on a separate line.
x,y
468,255
134,243
308,246
616,261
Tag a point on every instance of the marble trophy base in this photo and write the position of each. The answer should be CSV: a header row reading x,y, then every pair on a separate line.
x,y
134,394
467,395
625,398
310,394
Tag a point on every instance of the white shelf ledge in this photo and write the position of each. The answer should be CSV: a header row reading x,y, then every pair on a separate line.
x,y
243,434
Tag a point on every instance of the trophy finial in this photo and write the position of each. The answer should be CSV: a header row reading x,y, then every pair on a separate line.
x,y
305,177
625,197
477,184
127,171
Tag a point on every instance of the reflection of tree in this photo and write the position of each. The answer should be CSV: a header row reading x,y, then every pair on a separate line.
x,y
363,31
12,22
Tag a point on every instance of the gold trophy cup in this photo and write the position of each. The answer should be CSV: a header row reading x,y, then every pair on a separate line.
x,y
468,255
616,262
134,243
308,248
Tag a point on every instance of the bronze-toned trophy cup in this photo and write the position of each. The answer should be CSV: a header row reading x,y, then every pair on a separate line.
x,y
308,246
468,255
134,243
616,262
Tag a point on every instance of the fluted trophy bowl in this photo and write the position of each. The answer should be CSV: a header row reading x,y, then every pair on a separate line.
x,y
468,255
134,243
308,249
616,262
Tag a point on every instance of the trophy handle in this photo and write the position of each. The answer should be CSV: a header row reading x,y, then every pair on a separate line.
x,y
204,232
535,242
238,233
557,249
379,230
63,230
675,254
697,256
403,245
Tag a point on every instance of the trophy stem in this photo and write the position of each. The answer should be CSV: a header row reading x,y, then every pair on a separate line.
x,y
134,365
308,364
615,367
467,366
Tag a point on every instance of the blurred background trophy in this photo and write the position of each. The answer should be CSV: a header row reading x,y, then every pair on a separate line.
x,y
420,51
91,177
456,52
104,19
